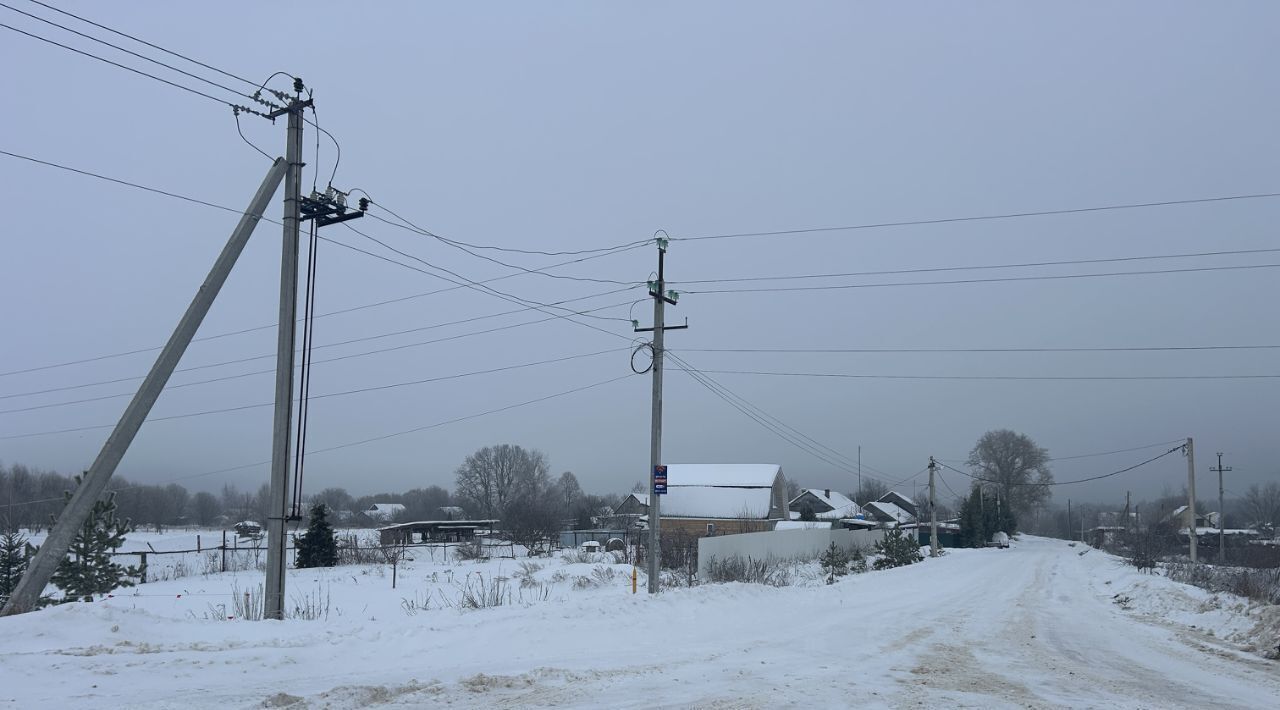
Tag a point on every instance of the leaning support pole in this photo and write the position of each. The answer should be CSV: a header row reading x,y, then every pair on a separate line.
x,y
54,549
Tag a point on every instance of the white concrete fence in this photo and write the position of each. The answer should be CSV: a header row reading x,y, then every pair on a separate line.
x,y
782,545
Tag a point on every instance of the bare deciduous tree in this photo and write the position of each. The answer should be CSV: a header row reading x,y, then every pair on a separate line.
x,y
1263,504
496,475
872,489
1015,466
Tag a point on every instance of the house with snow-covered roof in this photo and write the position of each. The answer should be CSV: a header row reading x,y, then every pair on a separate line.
x,y
723,499
383,511
891,510
825,503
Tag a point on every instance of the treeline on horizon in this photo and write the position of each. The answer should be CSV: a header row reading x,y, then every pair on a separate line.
x,y
30,498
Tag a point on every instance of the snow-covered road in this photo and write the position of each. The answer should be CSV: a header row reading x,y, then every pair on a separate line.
x,y
1032,626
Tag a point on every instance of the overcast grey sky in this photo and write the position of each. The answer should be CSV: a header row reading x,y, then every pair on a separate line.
x,y
565,126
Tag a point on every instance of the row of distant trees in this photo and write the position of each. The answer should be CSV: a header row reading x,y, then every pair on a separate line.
x,y
505,482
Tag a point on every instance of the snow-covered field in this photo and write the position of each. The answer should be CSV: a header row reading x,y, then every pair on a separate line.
x,y
1037,625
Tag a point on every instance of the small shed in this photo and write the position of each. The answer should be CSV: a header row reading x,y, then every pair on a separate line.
x,y
434,531
248,528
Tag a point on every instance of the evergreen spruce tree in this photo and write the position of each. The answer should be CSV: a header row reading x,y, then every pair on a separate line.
x,y
897,550
835,562
319,547
89,569
15,552
973,525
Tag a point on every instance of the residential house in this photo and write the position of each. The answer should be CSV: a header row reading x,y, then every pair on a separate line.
x,y
825,503
723,499
381,512
891,510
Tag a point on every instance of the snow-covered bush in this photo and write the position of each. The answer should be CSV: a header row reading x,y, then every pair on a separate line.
x,y
526,574
472,550
578,556
600,577
1258,584
478,593
766,570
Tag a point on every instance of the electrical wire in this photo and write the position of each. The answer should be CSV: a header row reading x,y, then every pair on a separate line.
x,y
1067,483
242,375
410,226
304,379
134,185
263,218
362,390
517,267
1092,455
127,51
1028,264
142,41
1125,349
235,110
361,442
777,426
350,356
481,288
981,218
1016,378
1002,279
121,66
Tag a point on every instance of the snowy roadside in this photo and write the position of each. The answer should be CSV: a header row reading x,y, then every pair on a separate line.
x,y
1033,625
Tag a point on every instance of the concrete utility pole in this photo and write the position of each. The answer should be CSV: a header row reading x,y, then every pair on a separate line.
x,y
273,604
1222,536
657,290
1191,496
933,511
1068,518
54,549
859,501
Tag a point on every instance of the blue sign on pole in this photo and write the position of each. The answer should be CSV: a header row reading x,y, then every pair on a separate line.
x,y
659,480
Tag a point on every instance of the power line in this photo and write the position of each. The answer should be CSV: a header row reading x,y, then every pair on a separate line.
x,y
980,218
459,279
362,390
712,387
126,68
263,218
410,226
516,267
142,41
1002,279
361,442
134,185
1095,454
127,51
55,405
1067,483
787,433
1148,348
237,361
1027,264
845,375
